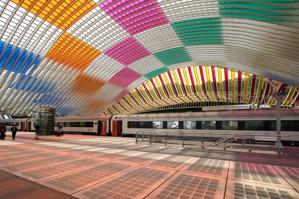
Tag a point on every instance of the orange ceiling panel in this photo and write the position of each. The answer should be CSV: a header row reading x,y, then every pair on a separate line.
x,y
60,13
95,105
86,85
73,52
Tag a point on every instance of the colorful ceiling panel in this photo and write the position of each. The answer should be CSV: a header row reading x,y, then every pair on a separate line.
x,y
127,51
77,55
72,52
156,72
204,84
59,13
271,11
16,59
135,16
124,77
204,31
173,56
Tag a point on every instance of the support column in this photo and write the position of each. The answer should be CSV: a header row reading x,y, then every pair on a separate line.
x,y
279,98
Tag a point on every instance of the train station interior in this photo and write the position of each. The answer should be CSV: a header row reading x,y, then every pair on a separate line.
x,y
133,99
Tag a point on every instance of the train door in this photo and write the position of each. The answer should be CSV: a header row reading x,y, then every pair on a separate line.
x,y
119,127
116,128
28,126
104,128
23,126
99,128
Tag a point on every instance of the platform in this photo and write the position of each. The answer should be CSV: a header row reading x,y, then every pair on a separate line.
x,y
115,167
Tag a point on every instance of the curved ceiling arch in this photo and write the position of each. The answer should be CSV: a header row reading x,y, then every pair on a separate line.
x,y
79,54
201,84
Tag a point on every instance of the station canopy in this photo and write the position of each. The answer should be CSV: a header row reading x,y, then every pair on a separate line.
x,y
129,56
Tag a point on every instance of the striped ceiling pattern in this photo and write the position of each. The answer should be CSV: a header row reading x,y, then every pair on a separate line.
x,y
82,56
200,84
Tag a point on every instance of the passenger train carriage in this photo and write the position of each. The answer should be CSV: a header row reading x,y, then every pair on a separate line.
x,y
257,124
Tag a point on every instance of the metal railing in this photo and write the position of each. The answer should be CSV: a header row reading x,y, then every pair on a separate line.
x,y
208,141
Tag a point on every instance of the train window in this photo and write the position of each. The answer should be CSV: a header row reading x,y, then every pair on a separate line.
x,y
208,125
290,125
254,125
189,125
229,125
158,125
140,124
78,124
173,124
131,125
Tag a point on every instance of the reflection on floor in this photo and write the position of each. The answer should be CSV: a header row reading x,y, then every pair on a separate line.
x,y
107,167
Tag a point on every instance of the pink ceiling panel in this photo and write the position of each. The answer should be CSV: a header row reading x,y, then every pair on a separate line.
x,y
124,77
127,51
135,16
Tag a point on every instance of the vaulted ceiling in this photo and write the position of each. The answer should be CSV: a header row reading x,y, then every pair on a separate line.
x,y
197,86
84,57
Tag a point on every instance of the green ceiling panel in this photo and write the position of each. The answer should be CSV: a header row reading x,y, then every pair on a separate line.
x,y
271,11
156,72
202,31
173,56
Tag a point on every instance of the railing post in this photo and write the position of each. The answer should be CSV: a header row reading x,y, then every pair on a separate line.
x,y
136,137
143,136
150,140
183,144
166,139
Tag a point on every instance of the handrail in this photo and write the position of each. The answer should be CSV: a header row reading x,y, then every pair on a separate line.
x,y
185,138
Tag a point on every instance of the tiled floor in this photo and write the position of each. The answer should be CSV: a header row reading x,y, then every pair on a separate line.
x,y
107,167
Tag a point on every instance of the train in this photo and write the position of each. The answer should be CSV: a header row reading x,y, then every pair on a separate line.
x,y
255,124
22,124
87,125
